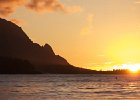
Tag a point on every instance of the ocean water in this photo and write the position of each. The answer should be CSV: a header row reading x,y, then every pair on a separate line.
x,y
69,87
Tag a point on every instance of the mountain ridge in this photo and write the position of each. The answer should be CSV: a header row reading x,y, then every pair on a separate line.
x,y
17,41
14,43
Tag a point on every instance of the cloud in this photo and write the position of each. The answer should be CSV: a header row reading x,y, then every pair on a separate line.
x,y
18,22
7,7
51,6
88,28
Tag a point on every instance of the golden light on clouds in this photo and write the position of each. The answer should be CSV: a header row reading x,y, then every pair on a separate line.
x,y
51,6
8,7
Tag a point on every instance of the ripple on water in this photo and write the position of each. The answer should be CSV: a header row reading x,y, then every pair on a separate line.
x,y
68,87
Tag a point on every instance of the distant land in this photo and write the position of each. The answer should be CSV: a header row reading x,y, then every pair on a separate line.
x,y
19,55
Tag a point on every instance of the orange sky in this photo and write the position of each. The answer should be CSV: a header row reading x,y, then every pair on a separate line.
x,y
95,34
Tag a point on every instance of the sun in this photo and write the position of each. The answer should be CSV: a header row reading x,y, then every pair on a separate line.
x,y
131,67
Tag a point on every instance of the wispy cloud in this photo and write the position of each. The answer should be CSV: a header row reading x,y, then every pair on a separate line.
x,y
8,7
51,6
88,28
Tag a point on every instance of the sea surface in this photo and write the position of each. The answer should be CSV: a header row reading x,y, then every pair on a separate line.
x,y
69,87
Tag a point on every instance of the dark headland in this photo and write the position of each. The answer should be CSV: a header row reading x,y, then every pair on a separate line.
x,y
20,55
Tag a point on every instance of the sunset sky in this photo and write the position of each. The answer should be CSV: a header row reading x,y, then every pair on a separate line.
x,y
94,34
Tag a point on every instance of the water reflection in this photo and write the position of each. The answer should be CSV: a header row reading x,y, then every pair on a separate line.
x,y
71,87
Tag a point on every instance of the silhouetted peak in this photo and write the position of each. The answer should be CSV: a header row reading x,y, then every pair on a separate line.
x,y
47,45
15,43
48,48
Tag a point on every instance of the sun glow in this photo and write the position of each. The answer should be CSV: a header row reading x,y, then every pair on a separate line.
x,y
131,67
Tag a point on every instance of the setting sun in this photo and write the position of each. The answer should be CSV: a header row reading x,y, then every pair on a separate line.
x,y
131,67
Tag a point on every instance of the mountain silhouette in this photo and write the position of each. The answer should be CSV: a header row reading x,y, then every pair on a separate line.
x,y
14,43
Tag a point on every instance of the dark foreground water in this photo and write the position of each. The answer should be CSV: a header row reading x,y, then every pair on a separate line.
x,y
69,87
